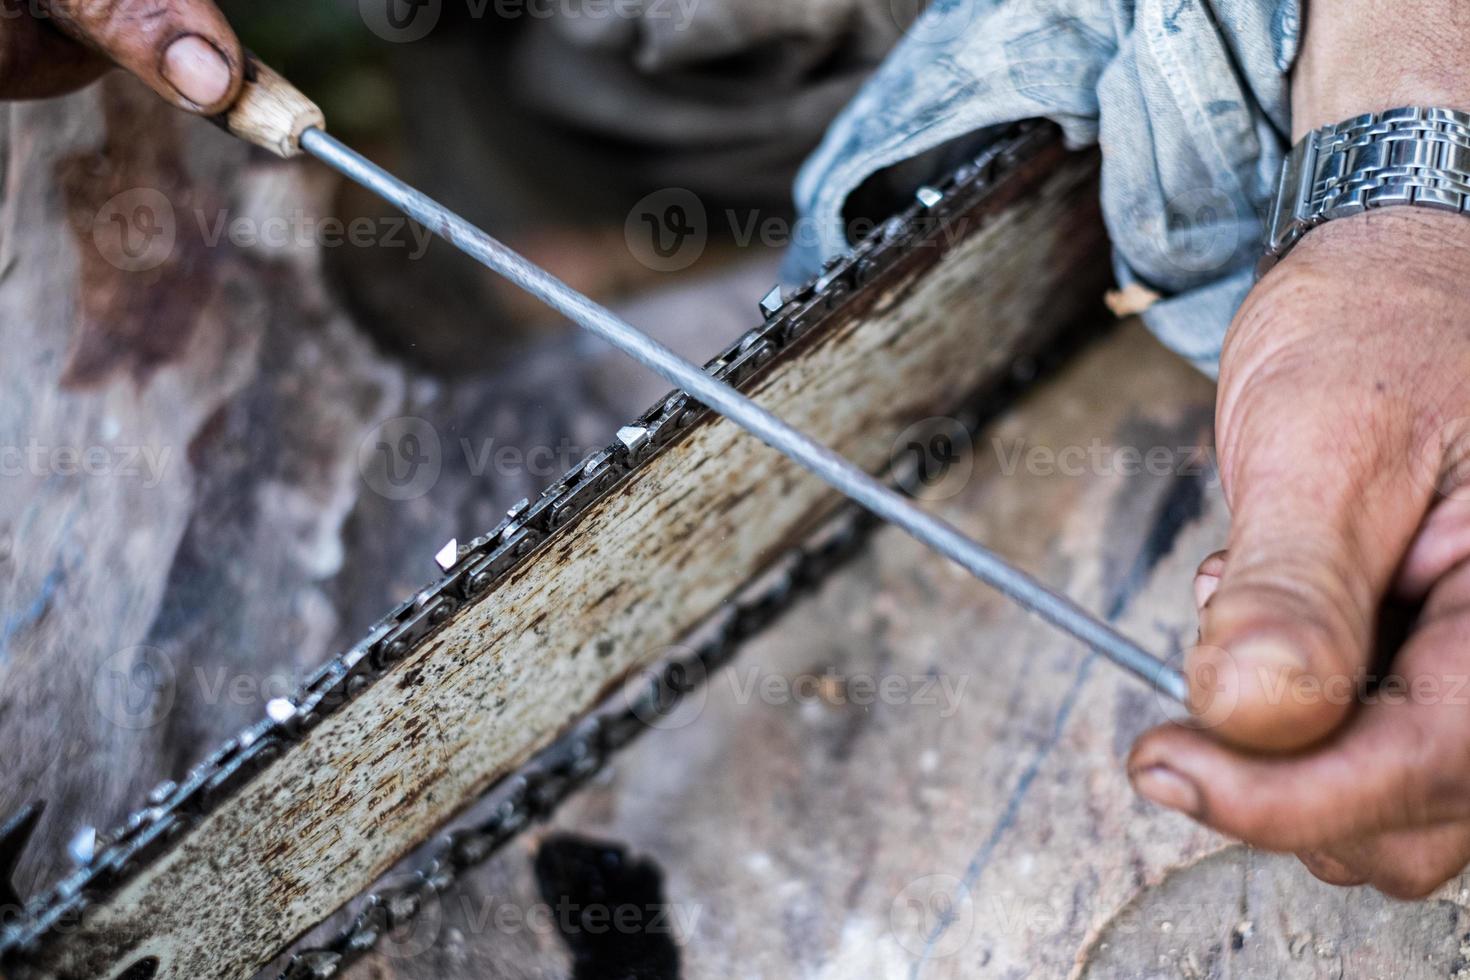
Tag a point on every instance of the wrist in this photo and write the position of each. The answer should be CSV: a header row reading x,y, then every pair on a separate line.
x,y
1359,56
1369,302
1410,246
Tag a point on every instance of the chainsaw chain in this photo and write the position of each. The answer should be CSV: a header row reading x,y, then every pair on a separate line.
x,y
534,792
175,808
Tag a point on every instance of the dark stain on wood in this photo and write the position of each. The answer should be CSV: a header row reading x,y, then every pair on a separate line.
x,y
145,273
609,908
607,595
1181,503
734,500
411,798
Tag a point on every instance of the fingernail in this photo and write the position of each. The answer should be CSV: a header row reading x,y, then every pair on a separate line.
x,y
197,70
1167,788
1205,587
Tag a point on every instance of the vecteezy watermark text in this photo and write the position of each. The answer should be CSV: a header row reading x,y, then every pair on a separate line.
x,y
402,458
670,229
140,229
674,695
1098,458
406,21
832,688
299,229
146,464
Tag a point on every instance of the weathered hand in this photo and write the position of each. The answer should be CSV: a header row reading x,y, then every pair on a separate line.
x,y
1343,427
183,49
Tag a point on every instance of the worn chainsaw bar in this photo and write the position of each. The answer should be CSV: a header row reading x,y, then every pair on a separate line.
x,y
475,569
535,791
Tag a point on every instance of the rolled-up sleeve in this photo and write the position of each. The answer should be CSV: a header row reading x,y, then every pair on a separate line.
x,y
1187,99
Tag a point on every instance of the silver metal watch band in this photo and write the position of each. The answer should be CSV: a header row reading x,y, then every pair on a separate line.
x,y
1413,155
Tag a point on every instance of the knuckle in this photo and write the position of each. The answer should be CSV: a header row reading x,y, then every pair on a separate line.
x,y
135,16
1309,598
1261,824
1327,868
1434,776
113,23
1409,884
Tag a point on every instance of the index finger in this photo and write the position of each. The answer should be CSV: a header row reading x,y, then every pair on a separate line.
x,y
184,50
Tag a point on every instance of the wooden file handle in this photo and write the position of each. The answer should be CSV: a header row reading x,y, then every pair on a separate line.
x,y
271,112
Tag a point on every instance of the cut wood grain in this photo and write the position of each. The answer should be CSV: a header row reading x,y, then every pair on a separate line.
x,y
646,564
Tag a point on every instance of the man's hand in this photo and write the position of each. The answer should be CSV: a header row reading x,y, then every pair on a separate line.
x,y
1343,427
183,49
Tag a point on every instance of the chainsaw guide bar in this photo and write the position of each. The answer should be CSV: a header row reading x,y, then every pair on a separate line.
x,y
501,663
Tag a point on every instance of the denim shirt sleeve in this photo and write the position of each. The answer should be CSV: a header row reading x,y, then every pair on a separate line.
x,y
1187,99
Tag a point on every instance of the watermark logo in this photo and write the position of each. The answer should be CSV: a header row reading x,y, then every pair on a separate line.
x,y
301,230
1203,229
942,693
401,21
1193,231
135,687
1442,461
135,231
1214,679
933,916
1217,680
406,21
934,21
671,694
668,230
401,459
414,918
933,459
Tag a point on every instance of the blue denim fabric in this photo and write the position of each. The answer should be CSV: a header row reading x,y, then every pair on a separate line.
x,y
1187,98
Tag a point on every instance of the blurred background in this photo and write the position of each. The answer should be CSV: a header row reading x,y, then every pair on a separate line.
x,y
550,121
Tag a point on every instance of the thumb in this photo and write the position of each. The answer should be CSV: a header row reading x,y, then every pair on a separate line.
x,y
1289,632
183,49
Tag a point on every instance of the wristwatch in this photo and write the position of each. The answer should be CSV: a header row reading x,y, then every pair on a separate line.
x,y
1413,155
